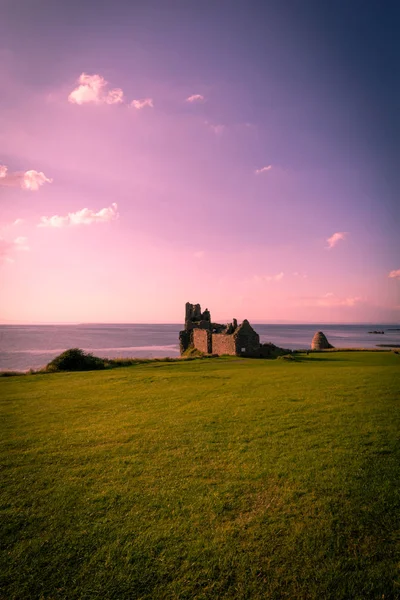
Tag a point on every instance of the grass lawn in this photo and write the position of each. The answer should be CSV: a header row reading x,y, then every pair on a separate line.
x,y
219,478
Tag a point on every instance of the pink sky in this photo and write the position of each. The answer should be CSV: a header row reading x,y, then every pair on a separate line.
x,y
127,190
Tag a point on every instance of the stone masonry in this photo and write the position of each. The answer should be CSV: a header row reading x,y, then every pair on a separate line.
x,y
202,334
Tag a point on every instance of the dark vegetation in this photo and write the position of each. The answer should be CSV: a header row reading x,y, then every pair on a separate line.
x,y
75,359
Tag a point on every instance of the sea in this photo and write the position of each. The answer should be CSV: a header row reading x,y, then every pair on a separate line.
x,y
24,347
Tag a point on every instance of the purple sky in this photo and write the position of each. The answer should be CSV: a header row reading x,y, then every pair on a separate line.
x,y
238,154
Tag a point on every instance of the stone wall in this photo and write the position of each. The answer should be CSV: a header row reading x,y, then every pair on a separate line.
x,y
201,339
223,344
247,341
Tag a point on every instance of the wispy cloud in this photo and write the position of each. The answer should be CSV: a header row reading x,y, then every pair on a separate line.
x,y
18,221
139,104
394,274
199,254
21,243
218,129
29,180
262,278
263,170
335,238
195,98
115,96
93,88
7,248
86,216
330,300
301,275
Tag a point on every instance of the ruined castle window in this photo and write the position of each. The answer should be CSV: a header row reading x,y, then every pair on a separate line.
x,y
242,349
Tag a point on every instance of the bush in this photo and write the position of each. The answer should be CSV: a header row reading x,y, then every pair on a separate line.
x,y
11,373
75,359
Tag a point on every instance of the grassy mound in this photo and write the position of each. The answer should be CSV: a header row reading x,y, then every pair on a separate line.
x,y
75,359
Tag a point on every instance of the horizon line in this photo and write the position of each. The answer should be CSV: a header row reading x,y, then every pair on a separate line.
x,y
255,322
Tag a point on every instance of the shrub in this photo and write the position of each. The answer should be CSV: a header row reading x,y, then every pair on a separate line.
x,y
75,359
11,373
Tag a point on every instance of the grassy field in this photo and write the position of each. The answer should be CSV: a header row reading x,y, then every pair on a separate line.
x,y
221,478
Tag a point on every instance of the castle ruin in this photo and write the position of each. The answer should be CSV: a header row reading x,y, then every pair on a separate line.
x,y
202,334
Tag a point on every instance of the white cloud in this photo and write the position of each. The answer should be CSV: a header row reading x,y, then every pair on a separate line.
x,y
217,129
33,180
92,89
262,278
21,243
29,180
352,301
18,221
7,248
263,170
86,216
89,90
195,98
302,275
138,104
394,274
335,238
330,300
115,96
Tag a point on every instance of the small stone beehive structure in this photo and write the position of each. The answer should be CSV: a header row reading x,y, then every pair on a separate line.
x,y
212,338
320,342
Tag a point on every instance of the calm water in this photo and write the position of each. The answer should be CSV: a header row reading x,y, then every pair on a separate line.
x,y
33,346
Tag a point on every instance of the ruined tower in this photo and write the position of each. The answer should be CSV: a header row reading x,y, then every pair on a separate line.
x,y
213,338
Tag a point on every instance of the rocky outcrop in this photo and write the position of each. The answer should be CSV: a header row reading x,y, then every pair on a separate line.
x,y
320,342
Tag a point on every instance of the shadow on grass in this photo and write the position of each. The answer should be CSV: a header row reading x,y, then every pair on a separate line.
x,y
313,358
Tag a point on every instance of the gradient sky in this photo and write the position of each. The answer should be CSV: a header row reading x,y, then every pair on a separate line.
x,y
243,155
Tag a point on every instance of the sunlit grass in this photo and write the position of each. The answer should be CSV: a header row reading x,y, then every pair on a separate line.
x,y
224,478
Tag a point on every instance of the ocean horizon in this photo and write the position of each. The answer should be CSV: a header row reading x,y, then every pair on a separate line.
x,y
24,347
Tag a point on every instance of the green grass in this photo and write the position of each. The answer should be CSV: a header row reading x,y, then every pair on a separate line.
x,y
226,478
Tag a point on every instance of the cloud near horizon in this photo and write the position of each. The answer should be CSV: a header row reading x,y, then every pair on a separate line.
x,y
139,104
195,98
29,180
330,300
335,238
86,216
92,89
263,170
394,274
